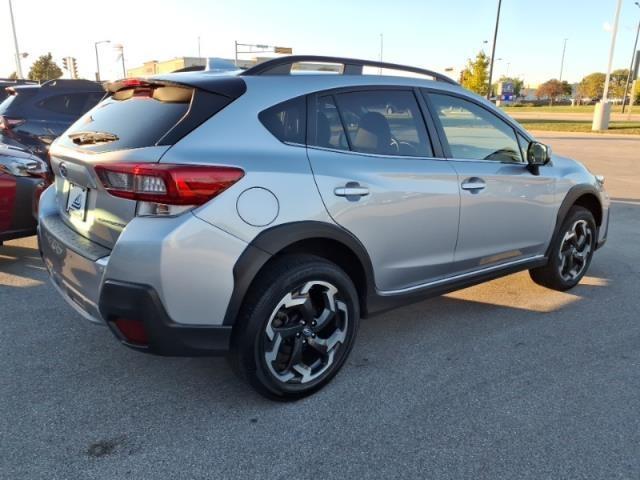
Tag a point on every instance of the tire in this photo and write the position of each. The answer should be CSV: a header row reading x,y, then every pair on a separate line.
x,y
571,252
296,328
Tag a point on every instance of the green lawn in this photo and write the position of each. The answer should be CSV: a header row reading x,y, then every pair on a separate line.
x,y
629,128
566,109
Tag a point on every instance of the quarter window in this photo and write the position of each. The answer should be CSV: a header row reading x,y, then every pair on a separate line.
x,y
474,133
286,121
383,122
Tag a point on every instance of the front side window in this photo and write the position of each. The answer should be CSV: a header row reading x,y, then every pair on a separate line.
x,y
382,122
287,121
474,133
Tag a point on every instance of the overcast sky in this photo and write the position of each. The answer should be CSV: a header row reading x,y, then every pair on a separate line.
x,y
429,33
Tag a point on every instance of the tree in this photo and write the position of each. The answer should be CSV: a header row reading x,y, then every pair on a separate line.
x,y
13,76
44,68
592,85
617,82
550,89
567,89
476,75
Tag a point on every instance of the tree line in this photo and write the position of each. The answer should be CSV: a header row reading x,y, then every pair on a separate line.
x,y
475,77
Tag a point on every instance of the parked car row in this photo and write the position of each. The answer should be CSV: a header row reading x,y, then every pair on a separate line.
x,y
31,117
261,214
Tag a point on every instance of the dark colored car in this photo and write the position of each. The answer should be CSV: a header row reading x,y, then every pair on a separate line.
x,y
23,177
7,82
33,116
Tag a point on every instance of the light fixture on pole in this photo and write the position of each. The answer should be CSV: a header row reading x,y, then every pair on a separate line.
x,y
633,53
602,112
15,43
493,49
98,58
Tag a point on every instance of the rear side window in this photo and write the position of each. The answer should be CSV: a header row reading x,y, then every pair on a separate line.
x,y
383,122
287,121
329,129
142,117
66,104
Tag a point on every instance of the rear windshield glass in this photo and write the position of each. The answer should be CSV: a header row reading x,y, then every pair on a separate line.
x,y
130,118
11,104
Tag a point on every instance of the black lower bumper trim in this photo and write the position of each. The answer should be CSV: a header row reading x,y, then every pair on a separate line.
x,y
141,302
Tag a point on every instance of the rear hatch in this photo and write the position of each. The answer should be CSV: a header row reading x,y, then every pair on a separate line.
x,y
136,124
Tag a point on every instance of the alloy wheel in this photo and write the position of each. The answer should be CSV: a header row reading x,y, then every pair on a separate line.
x,y
305,332
575,250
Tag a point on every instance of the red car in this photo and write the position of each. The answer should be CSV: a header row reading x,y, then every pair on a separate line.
x,y
23,177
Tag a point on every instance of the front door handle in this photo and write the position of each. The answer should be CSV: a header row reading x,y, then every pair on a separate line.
x,y
474,184
352,190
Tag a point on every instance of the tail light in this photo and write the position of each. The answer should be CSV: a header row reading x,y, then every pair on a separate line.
x,y
7,123
167,184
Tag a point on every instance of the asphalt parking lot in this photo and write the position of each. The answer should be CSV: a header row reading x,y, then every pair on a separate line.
x,y
502,380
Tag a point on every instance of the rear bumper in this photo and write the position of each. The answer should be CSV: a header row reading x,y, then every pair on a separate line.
x,y
75,270
141,302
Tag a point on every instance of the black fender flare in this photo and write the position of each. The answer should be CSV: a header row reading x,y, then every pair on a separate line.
x,y
569,200
275,239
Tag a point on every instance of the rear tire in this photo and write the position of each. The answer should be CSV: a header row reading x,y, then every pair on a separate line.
x,y
571,252
296,328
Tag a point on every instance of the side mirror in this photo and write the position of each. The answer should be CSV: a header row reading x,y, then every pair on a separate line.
x,y
538,154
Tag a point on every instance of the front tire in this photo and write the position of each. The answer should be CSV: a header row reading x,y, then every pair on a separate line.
x,y
571,252
296,328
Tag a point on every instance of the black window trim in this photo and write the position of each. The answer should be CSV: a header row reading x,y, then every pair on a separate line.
x,y
517,129
433,137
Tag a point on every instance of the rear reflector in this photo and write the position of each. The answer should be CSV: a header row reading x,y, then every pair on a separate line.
x,y
169,184
132,330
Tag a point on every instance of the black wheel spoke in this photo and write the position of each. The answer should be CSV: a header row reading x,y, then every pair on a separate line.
x,y
288,330
296,354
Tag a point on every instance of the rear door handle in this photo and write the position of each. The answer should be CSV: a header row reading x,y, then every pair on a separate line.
x,y
352,190
474,184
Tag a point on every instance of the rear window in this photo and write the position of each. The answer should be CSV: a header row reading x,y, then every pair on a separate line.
x,y
141,117
12,103
287,121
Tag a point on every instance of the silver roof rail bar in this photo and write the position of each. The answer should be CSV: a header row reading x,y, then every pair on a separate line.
x,y
351,66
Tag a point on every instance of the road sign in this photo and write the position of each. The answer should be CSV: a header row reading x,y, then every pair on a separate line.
x,y
287,50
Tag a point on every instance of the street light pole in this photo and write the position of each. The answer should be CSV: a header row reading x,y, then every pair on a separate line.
x,y
15,42
564,49
98,58
493,49
633,53
602,112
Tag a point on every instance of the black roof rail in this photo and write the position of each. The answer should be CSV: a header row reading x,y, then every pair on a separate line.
x,y
351,66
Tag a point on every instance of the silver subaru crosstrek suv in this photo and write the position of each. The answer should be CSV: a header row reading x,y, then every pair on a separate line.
x,y
261,214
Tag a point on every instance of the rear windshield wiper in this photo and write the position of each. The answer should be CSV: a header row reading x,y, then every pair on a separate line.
x,y
87,138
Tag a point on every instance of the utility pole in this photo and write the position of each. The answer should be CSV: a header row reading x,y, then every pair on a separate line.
x,y
236,54
98,58
381,50
15,42
602,112
633,53
493,49
199,56
564,48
